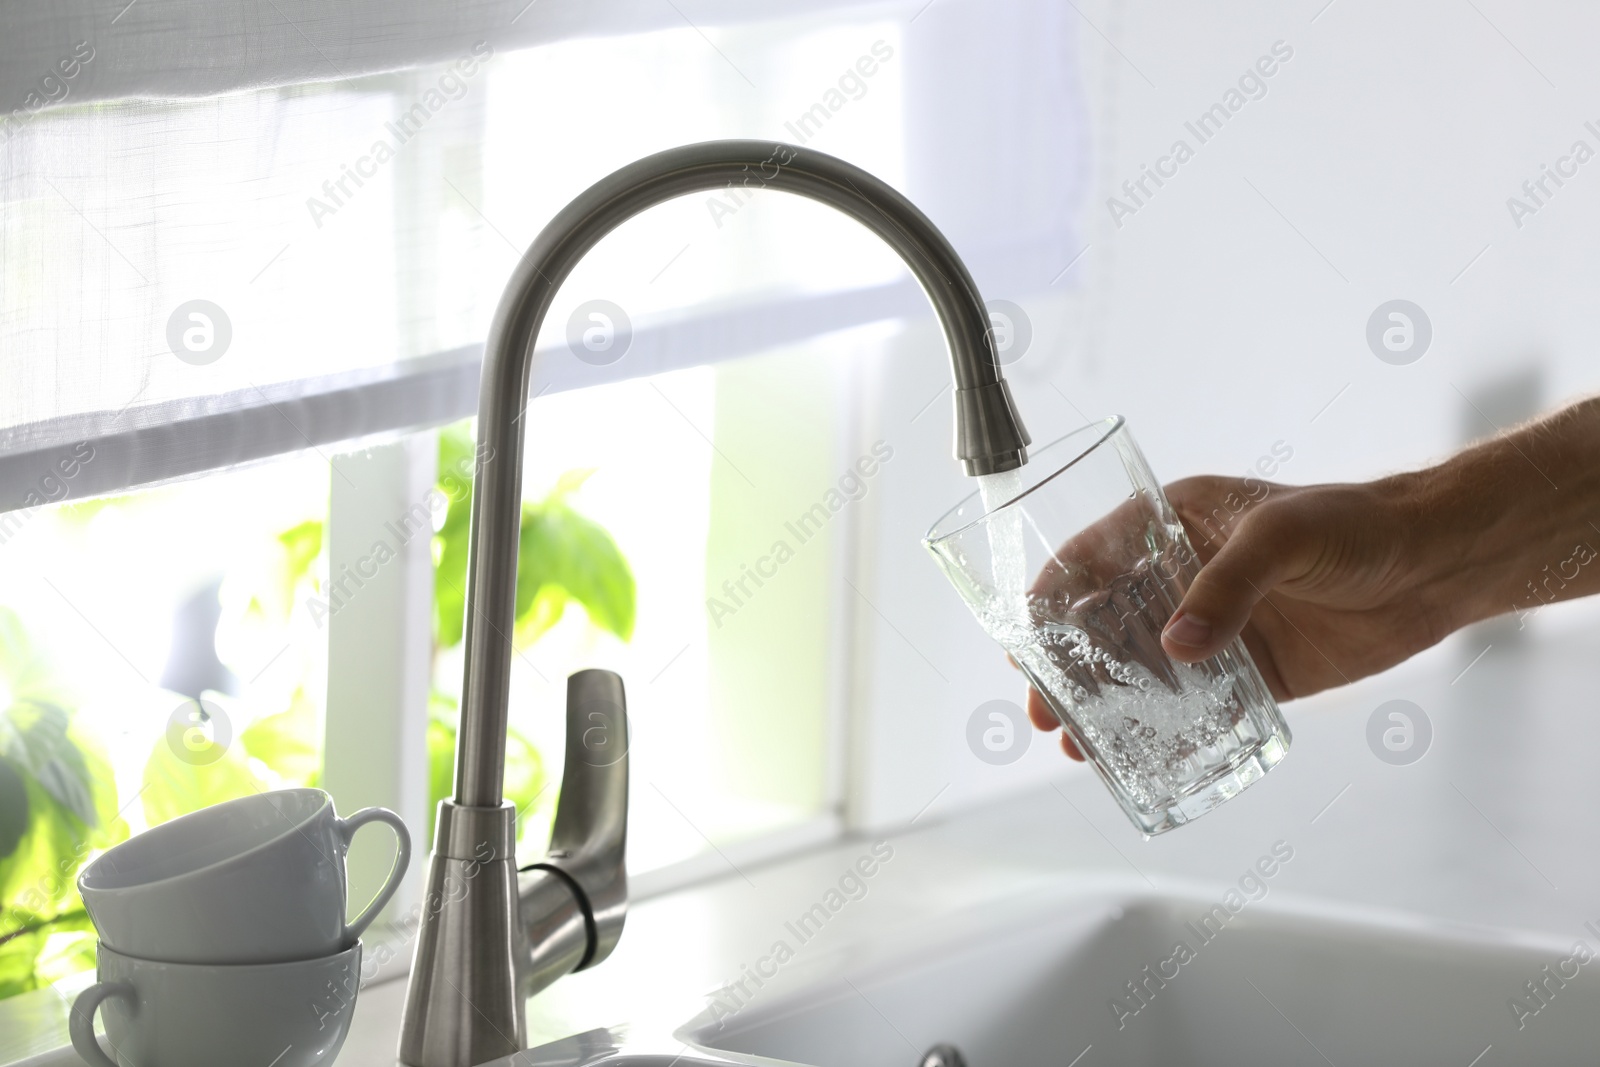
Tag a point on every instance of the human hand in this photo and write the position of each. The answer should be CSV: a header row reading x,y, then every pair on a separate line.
x,y
1331,583
1325,583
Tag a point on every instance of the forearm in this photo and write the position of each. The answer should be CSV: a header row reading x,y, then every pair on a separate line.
x,y
1513,523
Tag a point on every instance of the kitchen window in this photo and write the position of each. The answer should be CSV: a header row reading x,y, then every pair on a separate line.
x,y
262,312
228,585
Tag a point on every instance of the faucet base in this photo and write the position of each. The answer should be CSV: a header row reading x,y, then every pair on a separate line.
x,y
465,1005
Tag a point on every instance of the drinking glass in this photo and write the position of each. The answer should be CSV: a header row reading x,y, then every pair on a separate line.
x,y
1074,564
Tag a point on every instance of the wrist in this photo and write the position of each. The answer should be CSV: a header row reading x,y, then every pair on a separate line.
x,y
1509,525
1464,553
1444,560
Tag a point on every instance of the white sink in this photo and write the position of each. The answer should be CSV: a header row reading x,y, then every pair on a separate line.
x,y
1030,981
1273,986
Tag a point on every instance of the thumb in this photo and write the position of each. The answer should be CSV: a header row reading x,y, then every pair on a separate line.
x,y
1269,546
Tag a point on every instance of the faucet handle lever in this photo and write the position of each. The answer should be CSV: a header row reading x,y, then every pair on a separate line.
x,y
591,827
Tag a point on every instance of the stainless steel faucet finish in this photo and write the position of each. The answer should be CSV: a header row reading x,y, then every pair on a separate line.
x,y
492,936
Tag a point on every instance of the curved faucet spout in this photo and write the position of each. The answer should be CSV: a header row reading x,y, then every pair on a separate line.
x,y
491,935
989,437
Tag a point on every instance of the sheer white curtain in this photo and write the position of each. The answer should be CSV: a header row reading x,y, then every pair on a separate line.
x,y
226,233
185,48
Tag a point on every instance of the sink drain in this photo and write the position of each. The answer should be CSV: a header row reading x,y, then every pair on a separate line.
x,y
943,1056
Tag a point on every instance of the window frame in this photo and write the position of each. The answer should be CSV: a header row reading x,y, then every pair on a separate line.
x,y
147,445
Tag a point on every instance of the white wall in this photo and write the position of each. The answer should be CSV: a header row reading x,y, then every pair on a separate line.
x,y
1230,309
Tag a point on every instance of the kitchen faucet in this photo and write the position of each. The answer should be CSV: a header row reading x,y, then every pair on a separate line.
x,y
491,936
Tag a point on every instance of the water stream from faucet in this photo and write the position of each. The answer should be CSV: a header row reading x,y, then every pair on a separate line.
x,y
1008,556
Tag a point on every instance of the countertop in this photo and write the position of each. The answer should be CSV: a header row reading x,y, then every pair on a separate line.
x,y
1488,830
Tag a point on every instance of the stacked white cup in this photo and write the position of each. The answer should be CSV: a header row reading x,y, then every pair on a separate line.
x,y
223,936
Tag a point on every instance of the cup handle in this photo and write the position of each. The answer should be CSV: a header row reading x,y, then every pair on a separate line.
x,y
80,1022
402,858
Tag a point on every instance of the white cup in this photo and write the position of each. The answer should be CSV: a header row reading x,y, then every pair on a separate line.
x,y
255,880
200,1015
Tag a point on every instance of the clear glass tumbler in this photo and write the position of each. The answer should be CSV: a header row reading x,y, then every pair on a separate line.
x,y
1074,564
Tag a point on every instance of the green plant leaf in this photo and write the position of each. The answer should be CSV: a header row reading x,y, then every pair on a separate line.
x,y
559,547
302,545
288,742
441,755
27,671
548,606
571,481
34,729
14,808
17,954
37,881
562,556
34,957
33,737
457,452
81,512
450,576
524,775
524,771
57,839
107,828
173,786
69,948
281,566
457,457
